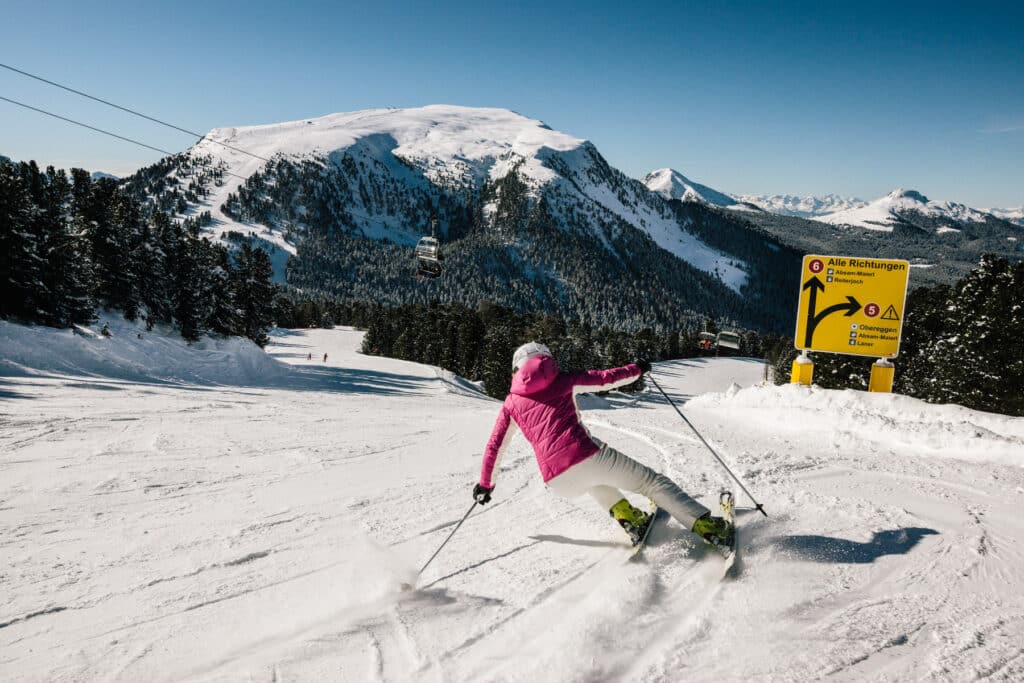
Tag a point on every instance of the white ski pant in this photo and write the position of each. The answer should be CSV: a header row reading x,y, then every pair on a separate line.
x,y
603,474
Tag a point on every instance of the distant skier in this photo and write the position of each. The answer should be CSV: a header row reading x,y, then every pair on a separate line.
x,y
543,405
309,356
105,330
325,357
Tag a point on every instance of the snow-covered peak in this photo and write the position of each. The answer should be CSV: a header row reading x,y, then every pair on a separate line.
x,y
447,139
913,195
884,213
807,206
672,184
101,175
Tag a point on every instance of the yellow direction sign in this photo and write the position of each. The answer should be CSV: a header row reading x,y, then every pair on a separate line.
x,y
851,305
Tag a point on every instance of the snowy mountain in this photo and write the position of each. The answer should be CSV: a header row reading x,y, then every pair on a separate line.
x,y
529,217
904,206
453,148
672,184
209,512
98,175
803,207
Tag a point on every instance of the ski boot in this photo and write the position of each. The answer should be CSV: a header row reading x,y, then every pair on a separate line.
x,y
633,521
714,530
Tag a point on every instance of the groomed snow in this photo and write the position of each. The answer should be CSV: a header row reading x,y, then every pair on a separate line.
x,y
163,521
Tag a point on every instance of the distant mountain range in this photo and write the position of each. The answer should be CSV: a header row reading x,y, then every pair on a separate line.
x,y
803,207
942,239
880,214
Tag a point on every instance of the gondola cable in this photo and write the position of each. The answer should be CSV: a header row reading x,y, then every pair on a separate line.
x,y
128,110
100,130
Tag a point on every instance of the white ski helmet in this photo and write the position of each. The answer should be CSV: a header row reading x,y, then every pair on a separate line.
x,y
528,351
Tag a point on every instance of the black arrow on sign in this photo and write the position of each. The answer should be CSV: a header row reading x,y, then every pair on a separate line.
x,y
813,318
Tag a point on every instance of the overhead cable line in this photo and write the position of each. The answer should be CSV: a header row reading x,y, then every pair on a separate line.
x,y
100,130
86,125
130,111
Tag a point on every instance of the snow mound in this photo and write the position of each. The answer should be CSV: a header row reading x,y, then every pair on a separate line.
x,y
902,424
131,353
456,384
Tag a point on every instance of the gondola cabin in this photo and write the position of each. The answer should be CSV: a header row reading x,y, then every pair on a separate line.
x,y
728,340
428,257
707,341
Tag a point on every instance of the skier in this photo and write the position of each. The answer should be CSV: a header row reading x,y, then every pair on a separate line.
x,y
542,404
325,357
309,356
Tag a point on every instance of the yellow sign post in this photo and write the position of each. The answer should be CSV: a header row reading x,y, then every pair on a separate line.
x,y
851,305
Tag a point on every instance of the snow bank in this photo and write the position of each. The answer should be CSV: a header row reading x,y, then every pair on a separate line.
x,y
131,353
899,423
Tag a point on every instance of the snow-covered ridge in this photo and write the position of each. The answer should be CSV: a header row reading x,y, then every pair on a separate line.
x,y
480,142
884,213
450,147
1012,215
803,207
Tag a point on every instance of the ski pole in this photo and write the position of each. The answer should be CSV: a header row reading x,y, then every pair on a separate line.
x,y
464,518
757,505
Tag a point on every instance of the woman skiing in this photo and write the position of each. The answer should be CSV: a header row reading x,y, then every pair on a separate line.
x,y
542,404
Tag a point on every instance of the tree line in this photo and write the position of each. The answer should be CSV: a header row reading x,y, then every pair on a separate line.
x,y
478,343
69,245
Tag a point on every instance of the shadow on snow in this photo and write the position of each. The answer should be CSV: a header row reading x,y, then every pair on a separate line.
x,y
842,551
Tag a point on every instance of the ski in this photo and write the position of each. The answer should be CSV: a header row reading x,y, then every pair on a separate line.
x,y
727,503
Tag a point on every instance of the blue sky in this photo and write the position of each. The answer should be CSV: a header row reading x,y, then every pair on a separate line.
x,y
800,98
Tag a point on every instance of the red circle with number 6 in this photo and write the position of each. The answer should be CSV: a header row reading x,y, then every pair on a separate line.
x,y
871,310
816,266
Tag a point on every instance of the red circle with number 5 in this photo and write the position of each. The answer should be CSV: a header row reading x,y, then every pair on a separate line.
x,y
816,266
871,310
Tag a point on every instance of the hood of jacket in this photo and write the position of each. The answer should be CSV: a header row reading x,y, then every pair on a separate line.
x,y
535,376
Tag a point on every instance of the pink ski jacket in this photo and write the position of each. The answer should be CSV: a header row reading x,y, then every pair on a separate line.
x,y
542,403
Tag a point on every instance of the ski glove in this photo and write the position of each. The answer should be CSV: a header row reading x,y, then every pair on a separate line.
x,y
482,494
644,364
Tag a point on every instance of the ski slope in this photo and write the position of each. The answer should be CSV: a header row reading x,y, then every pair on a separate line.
x,y
203,513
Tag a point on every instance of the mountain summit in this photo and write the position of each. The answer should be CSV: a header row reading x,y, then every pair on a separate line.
x,y
672,184
901,206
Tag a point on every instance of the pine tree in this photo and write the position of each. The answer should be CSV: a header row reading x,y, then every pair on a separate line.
x,y
154,280
499,345
20,265
254,292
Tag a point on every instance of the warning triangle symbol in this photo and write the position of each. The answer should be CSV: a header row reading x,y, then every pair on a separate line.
x,y
890,313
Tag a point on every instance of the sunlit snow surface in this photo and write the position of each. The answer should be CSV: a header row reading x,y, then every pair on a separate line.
x,y
210,513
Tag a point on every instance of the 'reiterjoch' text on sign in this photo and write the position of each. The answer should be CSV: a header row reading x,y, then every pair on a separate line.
x,y
851,305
